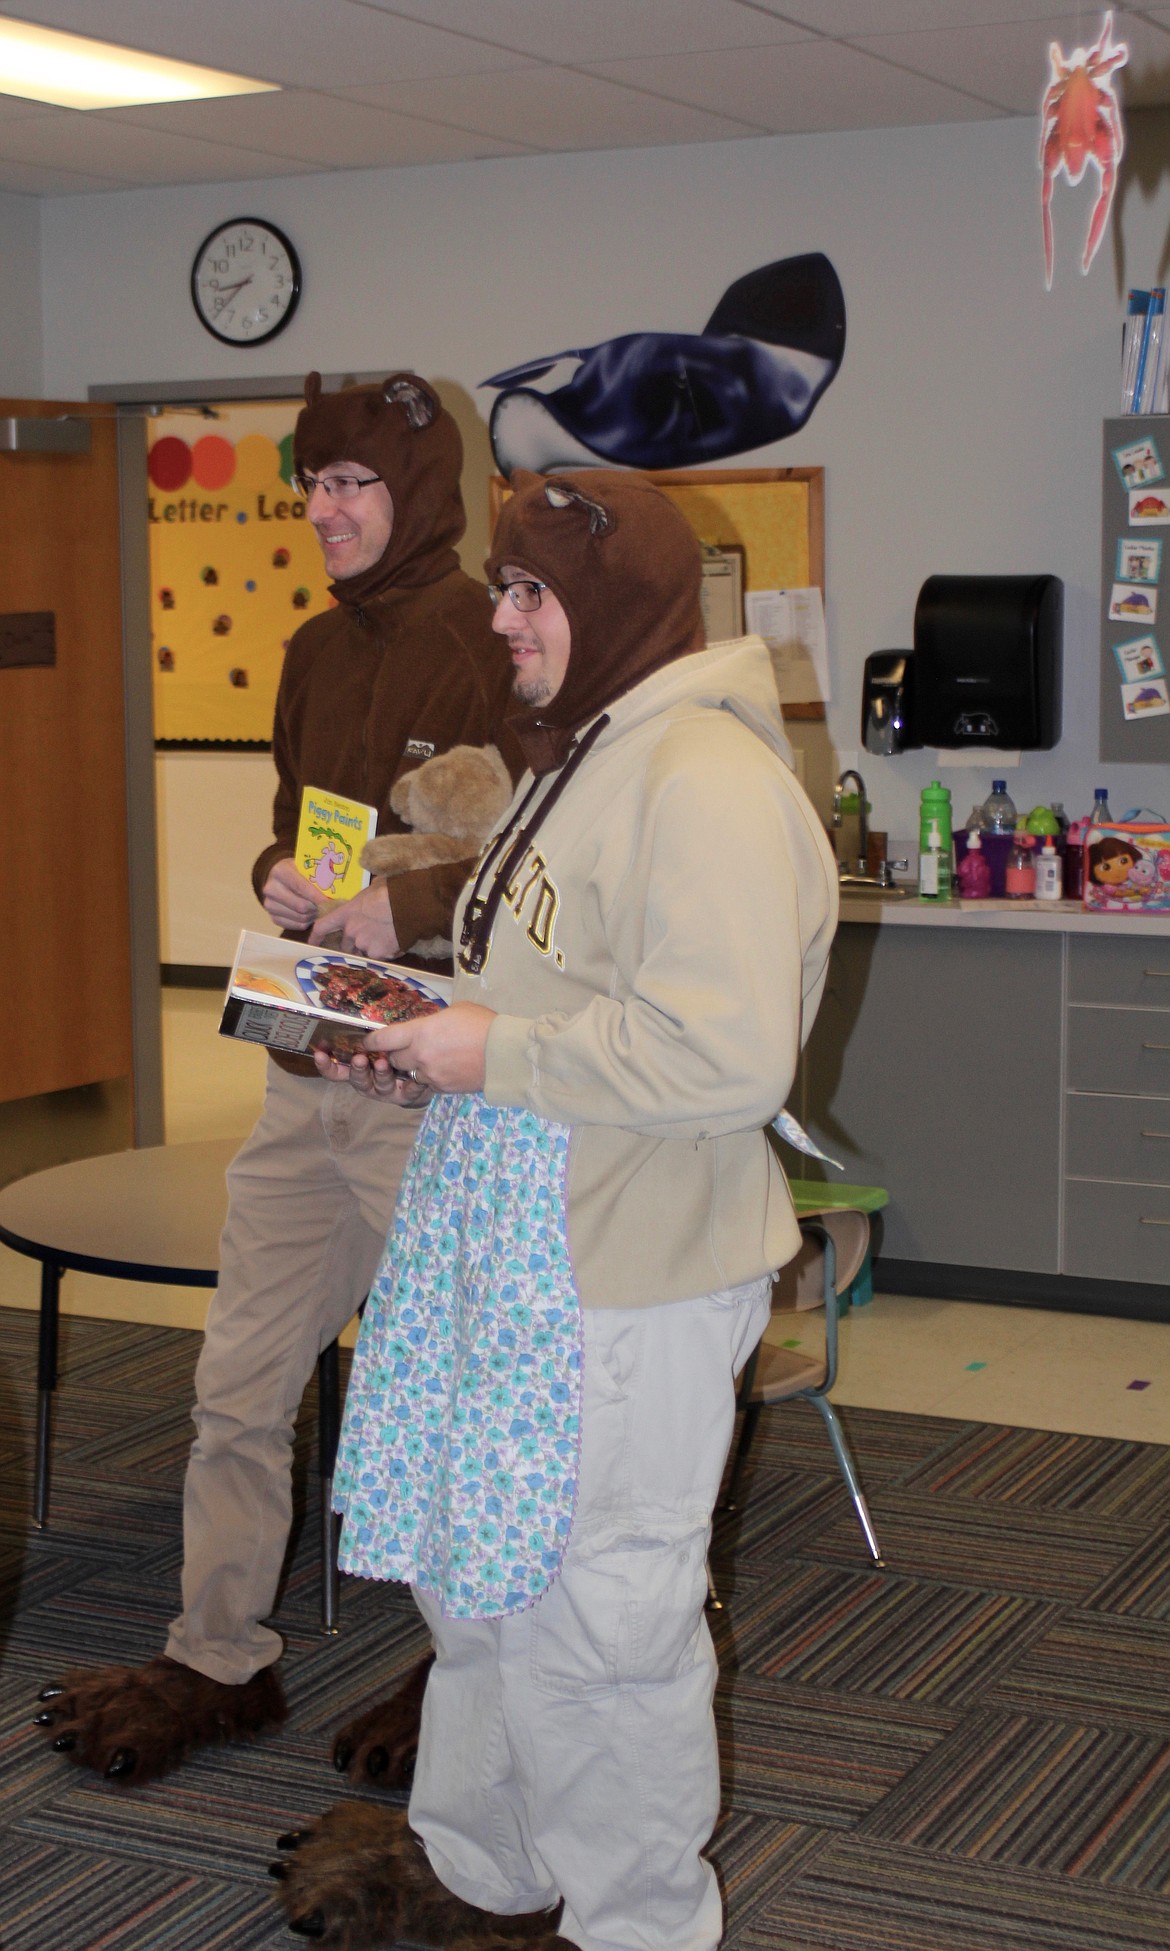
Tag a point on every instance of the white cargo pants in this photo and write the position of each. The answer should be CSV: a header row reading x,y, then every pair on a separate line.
x,y
569,1751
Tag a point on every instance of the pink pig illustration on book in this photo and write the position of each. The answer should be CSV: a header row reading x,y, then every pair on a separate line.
x,y
330,867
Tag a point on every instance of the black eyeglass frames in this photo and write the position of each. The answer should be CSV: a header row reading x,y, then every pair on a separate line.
x,y
525,593
339,487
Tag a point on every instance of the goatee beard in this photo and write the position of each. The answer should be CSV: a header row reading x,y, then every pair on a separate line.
x,y
531,690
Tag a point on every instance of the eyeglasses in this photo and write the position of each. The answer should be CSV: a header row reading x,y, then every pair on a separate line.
x,y
339,487
525,593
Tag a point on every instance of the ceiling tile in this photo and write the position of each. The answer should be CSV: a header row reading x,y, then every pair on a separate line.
x,y
559,109
1011,66
33,179
804,85
14,108
851,19
571,31
325,131
299,42
97,145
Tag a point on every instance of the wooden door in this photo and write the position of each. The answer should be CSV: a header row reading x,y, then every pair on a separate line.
x,y
64,894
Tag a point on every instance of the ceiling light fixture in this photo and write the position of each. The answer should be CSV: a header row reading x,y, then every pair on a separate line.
x,y
42,65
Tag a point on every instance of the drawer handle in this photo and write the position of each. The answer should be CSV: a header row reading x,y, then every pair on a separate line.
x,y
1164,973
1154,1222
1156,1046
1156,1134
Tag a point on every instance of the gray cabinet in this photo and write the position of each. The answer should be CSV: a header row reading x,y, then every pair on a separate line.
x,y
1117,1110
934,1069
1011,1090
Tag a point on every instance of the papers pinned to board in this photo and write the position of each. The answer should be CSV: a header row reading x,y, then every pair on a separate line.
x,y
792,624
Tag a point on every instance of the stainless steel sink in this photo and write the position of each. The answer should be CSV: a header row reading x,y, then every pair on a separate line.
x,y
869,889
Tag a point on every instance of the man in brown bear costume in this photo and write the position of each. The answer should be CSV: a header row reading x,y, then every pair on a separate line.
x,y
405,666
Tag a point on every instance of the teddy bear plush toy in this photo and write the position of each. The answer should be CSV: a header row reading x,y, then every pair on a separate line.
x,y
452,803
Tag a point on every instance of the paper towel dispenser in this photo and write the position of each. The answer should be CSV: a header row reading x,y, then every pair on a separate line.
x,y
987,661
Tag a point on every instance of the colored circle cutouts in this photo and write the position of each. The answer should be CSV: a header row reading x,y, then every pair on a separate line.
x,y
169,465
213,462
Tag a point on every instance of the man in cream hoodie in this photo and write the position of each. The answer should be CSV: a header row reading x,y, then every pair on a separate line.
x,y
641,956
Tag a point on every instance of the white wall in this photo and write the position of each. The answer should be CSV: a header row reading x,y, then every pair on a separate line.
x,y
214,816
962,435
20,304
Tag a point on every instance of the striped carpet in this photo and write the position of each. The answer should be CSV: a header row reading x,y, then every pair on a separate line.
x,y
969,1751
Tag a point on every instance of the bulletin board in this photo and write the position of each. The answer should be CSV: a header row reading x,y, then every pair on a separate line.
x,y
1135,591
775,515
234,569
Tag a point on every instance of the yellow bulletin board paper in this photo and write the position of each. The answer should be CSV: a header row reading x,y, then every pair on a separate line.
x,y
235,568
330,838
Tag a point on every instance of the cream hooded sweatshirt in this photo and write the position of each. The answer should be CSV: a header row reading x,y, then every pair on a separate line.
x,y
656,965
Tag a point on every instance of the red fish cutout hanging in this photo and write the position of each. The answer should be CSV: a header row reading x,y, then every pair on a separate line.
x,y
1080,123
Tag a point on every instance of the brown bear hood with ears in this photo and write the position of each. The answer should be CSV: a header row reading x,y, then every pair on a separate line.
x,y
399,430
627,568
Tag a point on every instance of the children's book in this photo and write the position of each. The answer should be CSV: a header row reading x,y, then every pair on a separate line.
x,y
289,996
330,838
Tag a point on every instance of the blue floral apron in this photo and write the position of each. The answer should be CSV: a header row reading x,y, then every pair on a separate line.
x,y
458,1462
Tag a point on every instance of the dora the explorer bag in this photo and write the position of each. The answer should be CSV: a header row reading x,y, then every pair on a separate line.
x,y
1127,865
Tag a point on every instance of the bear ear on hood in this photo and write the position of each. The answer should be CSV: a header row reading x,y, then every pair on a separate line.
x,y
312,388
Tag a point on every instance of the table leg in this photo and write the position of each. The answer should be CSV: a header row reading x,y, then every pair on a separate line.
x,y
46,1383
328,1433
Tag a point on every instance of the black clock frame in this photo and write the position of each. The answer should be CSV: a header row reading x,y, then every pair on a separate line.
x,y
265,338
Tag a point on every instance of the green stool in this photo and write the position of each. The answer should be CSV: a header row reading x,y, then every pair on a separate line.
x,y
818,1196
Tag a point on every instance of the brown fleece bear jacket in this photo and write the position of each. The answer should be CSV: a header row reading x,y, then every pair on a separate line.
x,y
368,692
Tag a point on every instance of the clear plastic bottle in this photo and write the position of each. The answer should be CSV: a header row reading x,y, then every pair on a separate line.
x,y
976,820
1020,878
1101,816
1074,859
999,812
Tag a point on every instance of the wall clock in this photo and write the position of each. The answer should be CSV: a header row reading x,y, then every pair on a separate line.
x,y
245,281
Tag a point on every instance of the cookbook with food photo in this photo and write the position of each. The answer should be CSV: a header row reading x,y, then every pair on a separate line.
x,y
289,996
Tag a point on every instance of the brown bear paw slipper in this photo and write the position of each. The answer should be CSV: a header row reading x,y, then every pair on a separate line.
x,y
132,1724
379,1747
359,1879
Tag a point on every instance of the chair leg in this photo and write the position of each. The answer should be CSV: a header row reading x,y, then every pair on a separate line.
x,y
328,1433
849,1471
714,1602
751,1417
46,1384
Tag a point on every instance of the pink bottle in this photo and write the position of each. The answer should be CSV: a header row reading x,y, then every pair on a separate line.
x,y
974,874
1019,882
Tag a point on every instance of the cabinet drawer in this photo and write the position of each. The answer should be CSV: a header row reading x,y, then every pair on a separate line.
x,y
1118,1138
1117,1232
1112,970
1119,1051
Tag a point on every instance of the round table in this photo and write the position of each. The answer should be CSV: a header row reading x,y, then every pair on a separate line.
x,y
154,1214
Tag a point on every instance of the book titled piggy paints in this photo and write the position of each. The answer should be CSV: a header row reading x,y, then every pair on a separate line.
x,y
289,996
330,838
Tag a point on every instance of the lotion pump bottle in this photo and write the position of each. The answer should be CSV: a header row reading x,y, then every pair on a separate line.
x,y
974,874
934,867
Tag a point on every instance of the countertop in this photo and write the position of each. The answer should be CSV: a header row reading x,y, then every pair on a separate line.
x,y
1023,917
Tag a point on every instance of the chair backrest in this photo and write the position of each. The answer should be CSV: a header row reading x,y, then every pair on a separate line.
x,y
801,1283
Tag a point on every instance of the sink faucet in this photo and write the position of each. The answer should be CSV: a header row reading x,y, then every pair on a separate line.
x,y
850,859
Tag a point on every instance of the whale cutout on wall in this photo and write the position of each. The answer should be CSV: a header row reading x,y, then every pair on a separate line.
x,y
772,345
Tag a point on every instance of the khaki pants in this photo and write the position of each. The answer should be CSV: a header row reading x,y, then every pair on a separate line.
x,y
312,1196
569,1751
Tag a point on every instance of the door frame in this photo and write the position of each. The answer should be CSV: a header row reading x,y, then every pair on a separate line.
x,y
134,402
